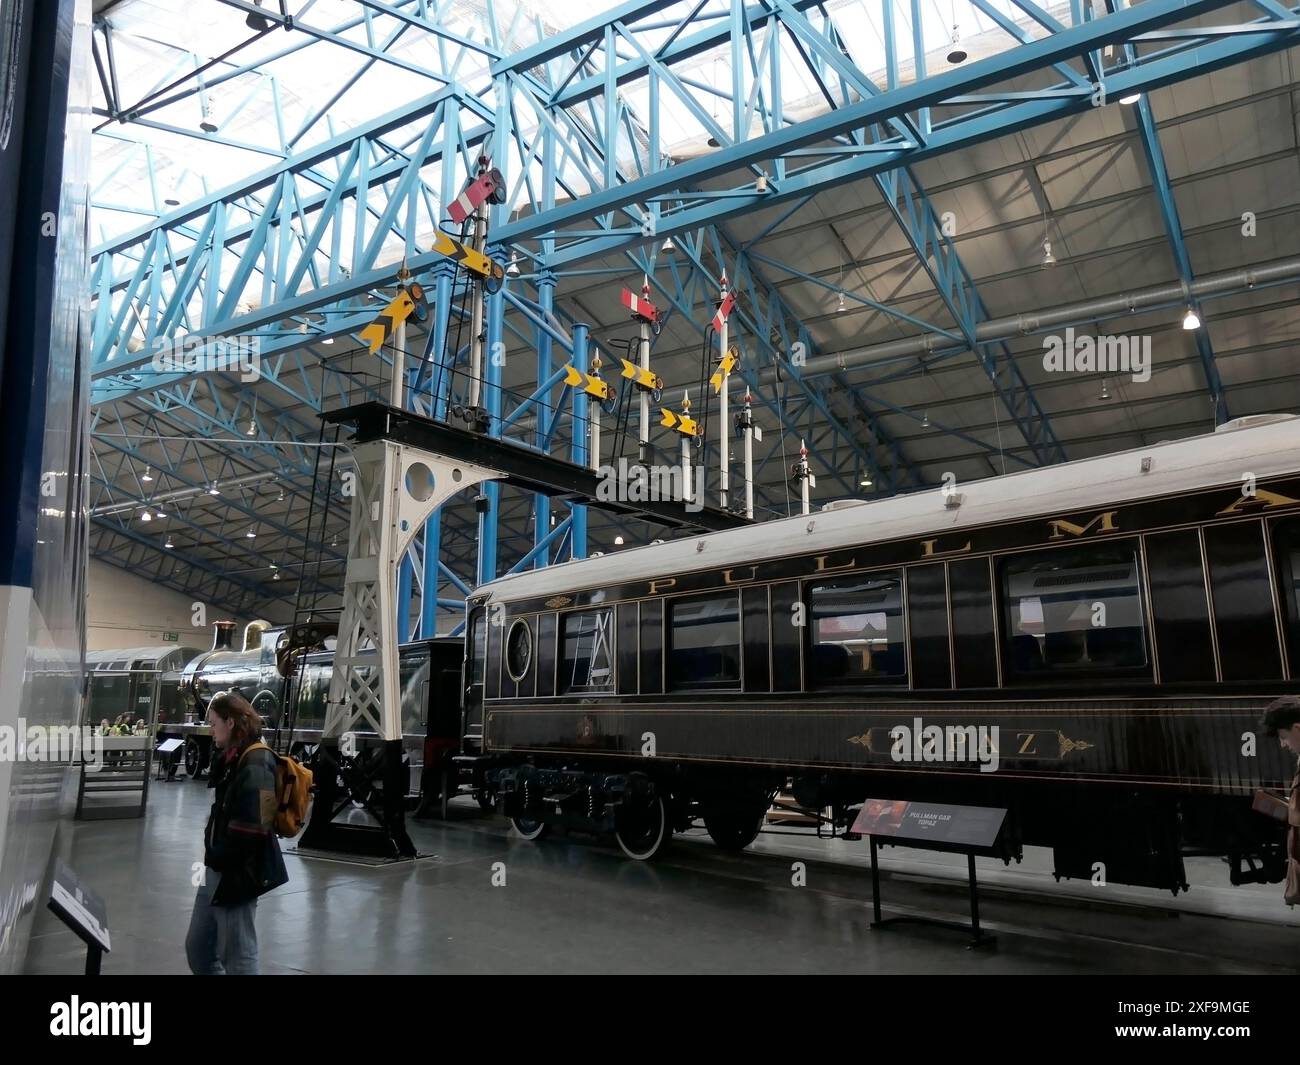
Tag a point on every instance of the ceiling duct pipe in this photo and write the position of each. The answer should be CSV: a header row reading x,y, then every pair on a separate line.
x,y
180,493
1041,321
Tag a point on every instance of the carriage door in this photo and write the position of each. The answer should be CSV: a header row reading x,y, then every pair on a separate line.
x,y
475,658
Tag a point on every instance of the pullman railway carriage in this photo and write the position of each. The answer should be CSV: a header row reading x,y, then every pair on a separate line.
x,y
1121,621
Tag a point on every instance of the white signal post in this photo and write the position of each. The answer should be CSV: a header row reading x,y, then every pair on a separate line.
x,y
643,434
804,475
593,410
688,492
745,422
397,397
724,426
476,334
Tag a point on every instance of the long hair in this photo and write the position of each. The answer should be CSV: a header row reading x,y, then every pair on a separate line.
x,y
245,722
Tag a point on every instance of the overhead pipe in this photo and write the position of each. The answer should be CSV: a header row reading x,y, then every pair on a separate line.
x,y
1026,324
181,493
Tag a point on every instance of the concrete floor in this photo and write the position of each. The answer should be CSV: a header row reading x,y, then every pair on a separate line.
x,y
572,905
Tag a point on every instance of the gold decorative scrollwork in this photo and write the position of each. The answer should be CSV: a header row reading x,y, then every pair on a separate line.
x,y
1068,745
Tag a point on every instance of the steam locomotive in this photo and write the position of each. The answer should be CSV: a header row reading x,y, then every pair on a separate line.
x,y
284,672
1116,623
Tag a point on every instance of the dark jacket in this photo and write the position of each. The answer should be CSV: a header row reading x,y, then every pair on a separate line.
x,y
239,841
1292,891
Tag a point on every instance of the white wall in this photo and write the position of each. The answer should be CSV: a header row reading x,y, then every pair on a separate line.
x,y
123,610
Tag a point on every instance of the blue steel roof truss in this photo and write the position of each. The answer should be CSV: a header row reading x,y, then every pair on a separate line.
x,y
265,256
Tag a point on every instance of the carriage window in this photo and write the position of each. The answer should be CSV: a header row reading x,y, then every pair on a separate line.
x,y
1074,610
856,632
1286,539
704,642
588,664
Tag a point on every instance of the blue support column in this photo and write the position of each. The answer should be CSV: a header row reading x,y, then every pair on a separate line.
x,y
441,363
489,520
429,604
578,525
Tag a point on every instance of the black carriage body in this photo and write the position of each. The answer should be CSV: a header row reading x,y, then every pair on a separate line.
x,y
804,665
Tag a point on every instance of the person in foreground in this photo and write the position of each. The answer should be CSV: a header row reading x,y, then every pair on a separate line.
x,y
241,854
1282,721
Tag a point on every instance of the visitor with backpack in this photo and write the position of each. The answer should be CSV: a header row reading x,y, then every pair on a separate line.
x,y
256,795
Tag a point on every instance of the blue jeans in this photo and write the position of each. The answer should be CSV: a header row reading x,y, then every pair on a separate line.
x,y
222,939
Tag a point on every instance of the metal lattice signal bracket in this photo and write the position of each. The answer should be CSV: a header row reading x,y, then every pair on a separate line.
x,y
397,488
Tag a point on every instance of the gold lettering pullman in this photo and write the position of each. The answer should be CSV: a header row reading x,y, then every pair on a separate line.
x,y
824,567
662,582
1061,528
1260,500
928,550
729,579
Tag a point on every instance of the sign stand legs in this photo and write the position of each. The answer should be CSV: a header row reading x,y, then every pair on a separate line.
x,y
978,938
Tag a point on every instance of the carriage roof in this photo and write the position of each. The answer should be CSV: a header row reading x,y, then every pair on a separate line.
x,y
1267,447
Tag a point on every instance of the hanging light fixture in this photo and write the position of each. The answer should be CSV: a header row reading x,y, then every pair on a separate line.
x,y
214,490
147,475
713,140
841,306
1130,99
1191,320
252,419
256,22
956,53
145,515
169,543
865,481
668,245
1105,391
618,541
513,269
925,421
206,122
1049,260
252,533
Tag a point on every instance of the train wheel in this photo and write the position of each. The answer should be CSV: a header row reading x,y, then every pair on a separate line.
x,y
487,800
641,827
193,757
529,829
732,831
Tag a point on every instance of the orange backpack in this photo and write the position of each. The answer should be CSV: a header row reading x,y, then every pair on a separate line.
x,y
293,782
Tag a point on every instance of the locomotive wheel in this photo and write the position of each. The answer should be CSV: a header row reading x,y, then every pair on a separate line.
x,y
529,829
732,831
193,757
641,827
